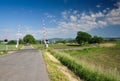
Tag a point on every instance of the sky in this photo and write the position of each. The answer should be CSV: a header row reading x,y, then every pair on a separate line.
x,y
59,18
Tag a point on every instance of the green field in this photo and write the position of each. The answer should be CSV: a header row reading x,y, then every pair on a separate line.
x,y
8,47
109,58
56,46
4,49
100,63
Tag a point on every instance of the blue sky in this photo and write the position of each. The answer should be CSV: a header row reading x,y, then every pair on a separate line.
x,y
61,18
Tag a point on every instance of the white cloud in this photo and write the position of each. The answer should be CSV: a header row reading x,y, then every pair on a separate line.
x,y
78,22
75,12
113,17
118,4
64,14
49,15
73,18
104,11
73,21
107,8
102,23
53,21
98,6
85,22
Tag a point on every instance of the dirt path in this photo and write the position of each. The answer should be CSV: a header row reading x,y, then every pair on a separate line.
x,y
107,44
65,70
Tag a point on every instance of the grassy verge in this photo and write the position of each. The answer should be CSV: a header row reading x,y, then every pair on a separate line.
x,y
9,47
38,46
84,71
4,51
54,73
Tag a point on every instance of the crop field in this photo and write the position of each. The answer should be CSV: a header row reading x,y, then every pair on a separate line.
x,y
92,64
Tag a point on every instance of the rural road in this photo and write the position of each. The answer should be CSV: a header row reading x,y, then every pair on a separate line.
x,y
23,65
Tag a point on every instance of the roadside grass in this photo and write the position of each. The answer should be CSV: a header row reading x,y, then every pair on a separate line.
x,y
91,64
38,46
3,53
9,47
83,69
55,46
54,73
4,50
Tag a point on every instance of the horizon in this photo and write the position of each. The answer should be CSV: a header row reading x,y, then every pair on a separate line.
x,y
60,18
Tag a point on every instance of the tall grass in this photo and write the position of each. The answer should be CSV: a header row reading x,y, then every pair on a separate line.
x,y
99,57
54,72
83,70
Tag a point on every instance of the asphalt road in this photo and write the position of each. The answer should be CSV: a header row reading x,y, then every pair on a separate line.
x,y
23,65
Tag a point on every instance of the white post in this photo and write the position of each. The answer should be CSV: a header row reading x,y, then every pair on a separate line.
x,y
17,43
5,42
6,47
18,37
44,34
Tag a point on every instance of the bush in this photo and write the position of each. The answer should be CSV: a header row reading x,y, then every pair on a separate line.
x,y
12,42
96,39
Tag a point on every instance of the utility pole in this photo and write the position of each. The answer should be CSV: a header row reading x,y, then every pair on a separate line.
x,y
44,34
18,34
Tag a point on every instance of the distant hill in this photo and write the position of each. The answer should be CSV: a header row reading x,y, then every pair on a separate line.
x,y
112,38
61,39
53,40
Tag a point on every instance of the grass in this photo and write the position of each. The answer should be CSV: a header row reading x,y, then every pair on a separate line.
x,y
4,50
54,73
84,71
3,53
62,46
107,57
55,46
91,64
9,47
38,46
101,62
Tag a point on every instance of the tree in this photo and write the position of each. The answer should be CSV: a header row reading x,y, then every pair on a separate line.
x,y
61,41
12,42
21,41
83,37
29,39
96,39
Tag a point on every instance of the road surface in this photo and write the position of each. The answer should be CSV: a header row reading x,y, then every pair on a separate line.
x,y
23,65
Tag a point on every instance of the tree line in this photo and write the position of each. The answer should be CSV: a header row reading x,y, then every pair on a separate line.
x,y
82,38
